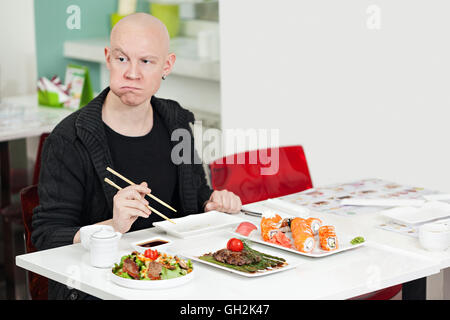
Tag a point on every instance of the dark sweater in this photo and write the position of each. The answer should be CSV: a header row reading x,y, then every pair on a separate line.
x,y
148,158
72,191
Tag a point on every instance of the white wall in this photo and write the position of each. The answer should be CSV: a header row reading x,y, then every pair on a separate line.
x,y
363,102
18,66
18,50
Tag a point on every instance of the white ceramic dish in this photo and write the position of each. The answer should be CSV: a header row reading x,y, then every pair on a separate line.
x,y
152,284
197,224
383,202
411,215
136,245
283,206
219,241
343,243
434,236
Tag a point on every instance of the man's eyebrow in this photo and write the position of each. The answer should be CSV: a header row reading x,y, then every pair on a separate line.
x,y
143,57
119,50
150,56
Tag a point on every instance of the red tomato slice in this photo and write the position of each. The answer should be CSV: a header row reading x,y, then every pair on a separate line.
x,y
151,254
235,244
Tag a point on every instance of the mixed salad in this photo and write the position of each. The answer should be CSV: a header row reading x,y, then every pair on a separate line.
x,y
152,265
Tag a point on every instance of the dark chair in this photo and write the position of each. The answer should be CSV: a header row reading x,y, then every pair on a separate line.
x,y
239,174
37,285
12,219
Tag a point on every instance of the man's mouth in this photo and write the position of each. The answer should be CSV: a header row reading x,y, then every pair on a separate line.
x,y
130,88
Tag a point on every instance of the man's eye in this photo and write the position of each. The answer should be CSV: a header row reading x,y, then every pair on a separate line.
x,y
146,61
121,59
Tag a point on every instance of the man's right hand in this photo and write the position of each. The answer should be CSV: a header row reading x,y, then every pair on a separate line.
x,y
129,204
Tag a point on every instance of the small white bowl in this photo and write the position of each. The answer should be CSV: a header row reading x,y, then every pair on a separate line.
x,y
434,236
141,249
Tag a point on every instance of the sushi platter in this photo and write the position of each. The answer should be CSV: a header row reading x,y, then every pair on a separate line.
x,y
308,237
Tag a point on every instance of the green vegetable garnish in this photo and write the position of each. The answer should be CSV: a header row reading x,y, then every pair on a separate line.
x,y
125,275
357,240
170,274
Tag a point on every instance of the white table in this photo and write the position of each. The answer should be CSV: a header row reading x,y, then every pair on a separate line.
x,y
26,119
30,119
367,223
341,276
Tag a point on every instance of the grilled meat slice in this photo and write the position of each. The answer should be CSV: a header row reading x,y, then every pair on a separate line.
x,y
130,267
154,269
235,258
183,265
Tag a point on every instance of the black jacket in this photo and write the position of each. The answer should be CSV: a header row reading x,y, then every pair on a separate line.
x,y
72,191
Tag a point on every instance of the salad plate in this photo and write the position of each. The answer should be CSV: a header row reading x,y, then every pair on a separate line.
x,y
135,271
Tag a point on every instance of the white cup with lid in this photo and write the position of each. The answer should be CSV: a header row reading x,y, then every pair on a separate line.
x,y
104,246
434,236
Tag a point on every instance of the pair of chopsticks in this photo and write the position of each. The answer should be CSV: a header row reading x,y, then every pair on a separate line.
x,y
148,194
251,213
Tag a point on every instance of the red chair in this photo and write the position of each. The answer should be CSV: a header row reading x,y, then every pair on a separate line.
x,y
11,217
37,285
241,174
37,164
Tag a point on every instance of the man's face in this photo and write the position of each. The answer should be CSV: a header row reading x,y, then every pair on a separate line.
x,y
136,62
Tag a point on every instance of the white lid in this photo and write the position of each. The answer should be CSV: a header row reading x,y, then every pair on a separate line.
x,y
104,234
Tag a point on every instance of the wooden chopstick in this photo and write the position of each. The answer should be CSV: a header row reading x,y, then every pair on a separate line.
x,y
132,183
153,210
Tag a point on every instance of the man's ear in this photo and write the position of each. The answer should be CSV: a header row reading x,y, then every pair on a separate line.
x,y
108,57
168,65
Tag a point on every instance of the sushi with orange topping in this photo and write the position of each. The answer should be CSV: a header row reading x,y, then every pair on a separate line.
x,y
327,238
302,235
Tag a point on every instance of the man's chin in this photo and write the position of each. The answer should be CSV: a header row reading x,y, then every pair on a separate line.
x,y
131,101
131,98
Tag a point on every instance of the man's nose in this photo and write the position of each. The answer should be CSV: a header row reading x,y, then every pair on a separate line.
x,y
132,72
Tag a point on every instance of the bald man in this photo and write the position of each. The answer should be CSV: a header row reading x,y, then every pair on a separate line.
x,y
128,129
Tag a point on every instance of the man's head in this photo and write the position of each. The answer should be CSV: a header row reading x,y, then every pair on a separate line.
x,y
138,57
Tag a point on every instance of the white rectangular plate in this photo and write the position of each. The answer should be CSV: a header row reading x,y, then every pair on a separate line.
x,y
382,202
412,215
197,224
343,242
219,241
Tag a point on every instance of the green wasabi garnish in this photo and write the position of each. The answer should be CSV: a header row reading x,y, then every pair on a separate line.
x,y
357,240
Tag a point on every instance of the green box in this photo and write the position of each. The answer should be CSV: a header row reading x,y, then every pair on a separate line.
x,y
169,14
49,99
115,17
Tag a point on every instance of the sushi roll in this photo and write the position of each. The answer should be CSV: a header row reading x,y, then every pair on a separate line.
x,y
302,235
327,238
314,224
269,226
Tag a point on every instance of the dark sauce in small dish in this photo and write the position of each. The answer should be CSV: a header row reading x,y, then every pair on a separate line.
x,y
153,243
